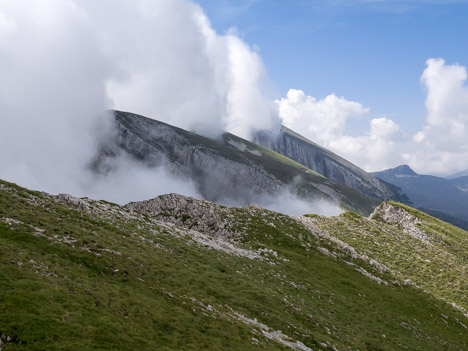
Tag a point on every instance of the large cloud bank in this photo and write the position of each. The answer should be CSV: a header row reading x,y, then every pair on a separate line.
x,y
441,146
63,63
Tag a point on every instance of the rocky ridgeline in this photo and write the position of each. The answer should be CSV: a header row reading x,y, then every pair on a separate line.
x,y
403,219
199,215
330,165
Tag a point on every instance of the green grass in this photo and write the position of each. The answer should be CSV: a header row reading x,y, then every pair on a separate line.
x,y
286,160
439,266
104,280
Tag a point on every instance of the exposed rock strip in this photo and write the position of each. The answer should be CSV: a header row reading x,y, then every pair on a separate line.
x,y
199,215
399,216
311,225
73,201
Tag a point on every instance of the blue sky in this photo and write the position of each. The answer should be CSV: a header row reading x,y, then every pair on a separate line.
x,y
372,52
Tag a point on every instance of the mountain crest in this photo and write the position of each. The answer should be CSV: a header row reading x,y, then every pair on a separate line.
x,y
404,170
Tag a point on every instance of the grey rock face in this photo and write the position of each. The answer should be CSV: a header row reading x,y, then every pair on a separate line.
x,y
332,166
229,170
202,216
209,164
73,201
401,218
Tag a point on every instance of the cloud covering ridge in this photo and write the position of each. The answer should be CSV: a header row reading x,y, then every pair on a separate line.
x,y
63,63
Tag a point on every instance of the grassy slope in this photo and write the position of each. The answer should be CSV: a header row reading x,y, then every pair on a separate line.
x,y
116,280
439,266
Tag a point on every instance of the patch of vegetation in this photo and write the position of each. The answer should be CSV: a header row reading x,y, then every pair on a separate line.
x,y
438,264
113,279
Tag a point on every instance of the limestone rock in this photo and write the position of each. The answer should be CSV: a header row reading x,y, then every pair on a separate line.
x,y
403,219
80,203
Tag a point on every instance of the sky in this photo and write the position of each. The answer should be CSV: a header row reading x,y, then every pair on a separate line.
x,y
373,52
370,52
381,83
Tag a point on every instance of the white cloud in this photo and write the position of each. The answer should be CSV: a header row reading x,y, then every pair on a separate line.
x,y
324,121
441,146
384,128
132,181
321,119
51,93
247,108
288,203
63,63
174,67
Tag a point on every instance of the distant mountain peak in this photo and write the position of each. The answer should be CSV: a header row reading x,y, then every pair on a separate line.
x,y
404,170
458,174
444,198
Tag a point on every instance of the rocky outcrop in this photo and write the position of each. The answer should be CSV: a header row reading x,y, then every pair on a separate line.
x,y
398,216
4,341
437,196
200,215
332,166
80,203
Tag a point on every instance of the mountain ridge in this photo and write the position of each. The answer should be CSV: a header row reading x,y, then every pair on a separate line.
x,y
327,163
229,167
444,198
458,174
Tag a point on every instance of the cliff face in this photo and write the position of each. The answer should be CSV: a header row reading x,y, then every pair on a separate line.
x,y
332,166
209,164
230,168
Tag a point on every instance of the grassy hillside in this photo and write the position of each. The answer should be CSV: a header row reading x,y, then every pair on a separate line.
x,y
90,275
430,254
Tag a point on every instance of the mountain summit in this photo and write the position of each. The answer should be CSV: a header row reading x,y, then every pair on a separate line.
x,y
403,170
458,174
444,198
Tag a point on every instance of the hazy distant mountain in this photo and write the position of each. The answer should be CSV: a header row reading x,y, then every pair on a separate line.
x,y
332,166
438,196
461,183
458,174
227,170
